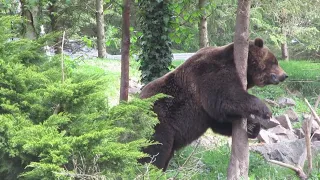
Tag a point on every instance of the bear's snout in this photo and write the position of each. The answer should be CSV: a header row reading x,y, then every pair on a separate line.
x,y
275,79
283,77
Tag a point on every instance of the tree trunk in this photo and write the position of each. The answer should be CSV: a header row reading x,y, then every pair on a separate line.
x,y
125,49
29,26
284,49
52,9
239,161
203,28
100,29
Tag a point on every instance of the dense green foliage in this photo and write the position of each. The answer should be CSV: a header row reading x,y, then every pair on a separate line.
x,y
156,55
276,21
51,129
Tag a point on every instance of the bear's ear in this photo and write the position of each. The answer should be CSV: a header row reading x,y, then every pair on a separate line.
x,y
258,42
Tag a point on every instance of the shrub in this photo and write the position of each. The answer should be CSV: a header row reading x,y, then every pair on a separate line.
x,y
56,130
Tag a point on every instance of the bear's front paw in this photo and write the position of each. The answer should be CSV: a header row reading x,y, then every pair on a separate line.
x,y
261,109
267,114
253,129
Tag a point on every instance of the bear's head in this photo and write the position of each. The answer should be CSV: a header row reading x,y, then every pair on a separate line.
x,y
263,67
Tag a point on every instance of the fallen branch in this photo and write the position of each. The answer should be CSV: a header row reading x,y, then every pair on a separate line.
x,y
298,170
271,102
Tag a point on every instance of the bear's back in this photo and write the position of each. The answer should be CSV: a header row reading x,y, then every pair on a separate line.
x,y
181,82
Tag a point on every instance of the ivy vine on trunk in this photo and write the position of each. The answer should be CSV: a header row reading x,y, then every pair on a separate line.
x,y
156,55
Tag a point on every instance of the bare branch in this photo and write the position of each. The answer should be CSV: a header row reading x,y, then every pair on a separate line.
x,y
308,143
185,162
271,102
308,132
315,115
57,109
298,170
62,57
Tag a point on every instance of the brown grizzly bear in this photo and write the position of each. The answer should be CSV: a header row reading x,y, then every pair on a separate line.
x,y
206,92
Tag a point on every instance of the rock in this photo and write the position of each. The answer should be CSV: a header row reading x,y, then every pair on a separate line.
x,y
288,152
316,135
299,132
267,124
267,137
283,133
284,121
284,102
293,116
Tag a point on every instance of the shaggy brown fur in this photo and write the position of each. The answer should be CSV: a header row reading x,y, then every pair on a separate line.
x,y
207,93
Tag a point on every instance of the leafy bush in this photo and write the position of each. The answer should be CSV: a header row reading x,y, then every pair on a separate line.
x,y
56,130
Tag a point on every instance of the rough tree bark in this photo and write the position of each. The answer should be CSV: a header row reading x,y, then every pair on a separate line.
x,y
239,161
284,47
29,26
55,26
100,29
202,26
284,50
125,49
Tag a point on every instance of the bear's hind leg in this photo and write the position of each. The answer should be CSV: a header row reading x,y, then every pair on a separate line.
x,y
170,157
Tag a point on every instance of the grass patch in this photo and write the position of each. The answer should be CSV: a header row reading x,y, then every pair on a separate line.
x,y
304,76
112,70
213,164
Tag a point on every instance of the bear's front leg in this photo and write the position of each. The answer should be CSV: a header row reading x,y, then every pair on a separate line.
x,y
222,96
225,128
258,108
243,106
160,154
